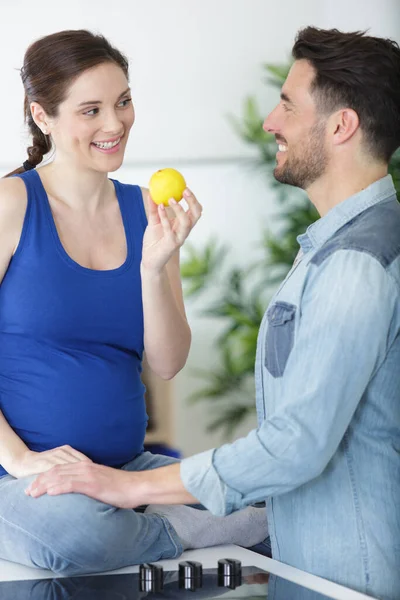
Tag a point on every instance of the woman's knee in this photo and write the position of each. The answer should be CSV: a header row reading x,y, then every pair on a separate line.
x,y
147,461
70,534
86,535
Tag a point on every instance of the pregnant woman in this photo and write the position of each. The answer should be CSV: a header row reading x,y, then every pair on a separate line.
x,y
89,271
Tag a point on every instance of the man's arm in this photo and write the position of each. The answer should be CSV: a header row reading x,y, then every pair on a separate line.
x,y
125,489
349,318
347,325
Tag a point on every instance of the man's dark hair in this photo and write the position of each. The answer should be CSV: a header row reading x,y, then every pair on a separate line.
x,y
356,71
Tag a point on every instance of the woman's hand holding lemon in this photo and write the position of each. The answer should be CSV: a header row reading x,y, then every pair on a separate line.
x,y
167,228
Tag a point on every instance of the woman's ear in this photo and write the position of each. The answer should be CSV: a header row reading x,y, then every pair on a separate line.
x,y
40,118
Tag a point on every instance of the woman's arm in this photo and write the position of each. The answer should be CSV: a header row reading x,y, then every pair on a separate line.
x,y
167,334
19,461
13,201
12,448
15,456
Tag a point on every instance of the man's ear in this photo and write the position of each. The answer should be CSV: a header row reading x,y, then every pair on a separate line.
x,y
344,124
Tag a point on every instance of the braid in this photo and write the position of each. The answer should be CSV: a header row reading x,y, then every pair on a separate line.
x,y
41,143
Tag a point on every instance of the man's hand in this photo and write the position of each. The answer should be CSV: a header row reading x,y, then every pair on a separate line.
x,y
111,486
124,489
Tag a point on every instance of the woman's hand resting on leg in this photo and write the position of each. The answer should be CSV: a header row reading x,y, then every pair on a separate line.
x,y
30,462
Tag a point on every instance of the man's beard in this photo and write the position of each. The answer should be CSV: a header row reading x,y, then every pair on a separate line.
x,y
302,171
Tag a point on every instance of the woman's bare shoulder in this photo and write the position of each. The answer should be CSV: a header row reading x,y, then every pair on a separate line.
x,y
13,202
13,196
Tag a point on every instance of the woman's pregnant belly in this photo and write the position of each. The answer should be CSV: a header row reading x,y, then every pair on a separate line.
x,y
93,401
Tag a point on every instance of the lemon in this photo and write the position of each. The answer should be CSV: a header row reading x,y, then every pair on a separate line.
x,y
165,184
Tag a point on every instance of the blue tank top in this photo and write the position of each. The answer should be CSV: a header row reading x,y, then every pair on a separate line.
x,y
71,339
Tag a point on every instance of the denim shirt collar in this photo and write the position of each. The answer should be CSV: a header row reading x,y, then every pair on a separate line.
x,y
320,231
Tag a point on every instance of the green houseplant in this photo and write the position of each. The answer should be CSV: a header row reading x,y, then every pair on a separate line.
x,y
243,293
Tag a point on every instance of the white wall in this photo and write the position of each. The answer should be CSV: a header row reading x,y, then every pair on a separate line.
x,y
192,63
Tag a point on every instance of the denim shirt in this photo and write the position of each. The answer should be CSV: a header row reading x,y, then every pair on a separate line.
x,y
326,453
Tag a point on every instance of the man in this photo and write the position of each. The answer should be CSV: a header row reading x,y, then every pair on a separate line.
x,y
326,455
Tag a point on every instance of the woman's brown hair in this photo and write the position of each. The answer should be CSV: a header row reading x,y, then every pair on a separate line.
x,y
51,64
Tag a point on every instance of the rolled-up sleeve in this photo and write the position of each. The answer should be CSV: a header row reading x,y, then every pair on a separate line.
x,y
347,319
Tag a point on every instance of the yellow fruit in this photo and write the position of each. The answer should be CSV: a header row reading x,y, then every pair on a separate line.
x,y
165,184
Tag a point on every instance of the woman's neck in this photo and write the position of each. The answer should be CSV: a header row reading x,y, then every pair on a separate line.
x,y
82,190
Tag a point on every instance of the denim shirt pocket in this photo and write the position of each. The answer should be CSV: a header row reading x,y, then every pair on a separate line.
x,y
280,337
